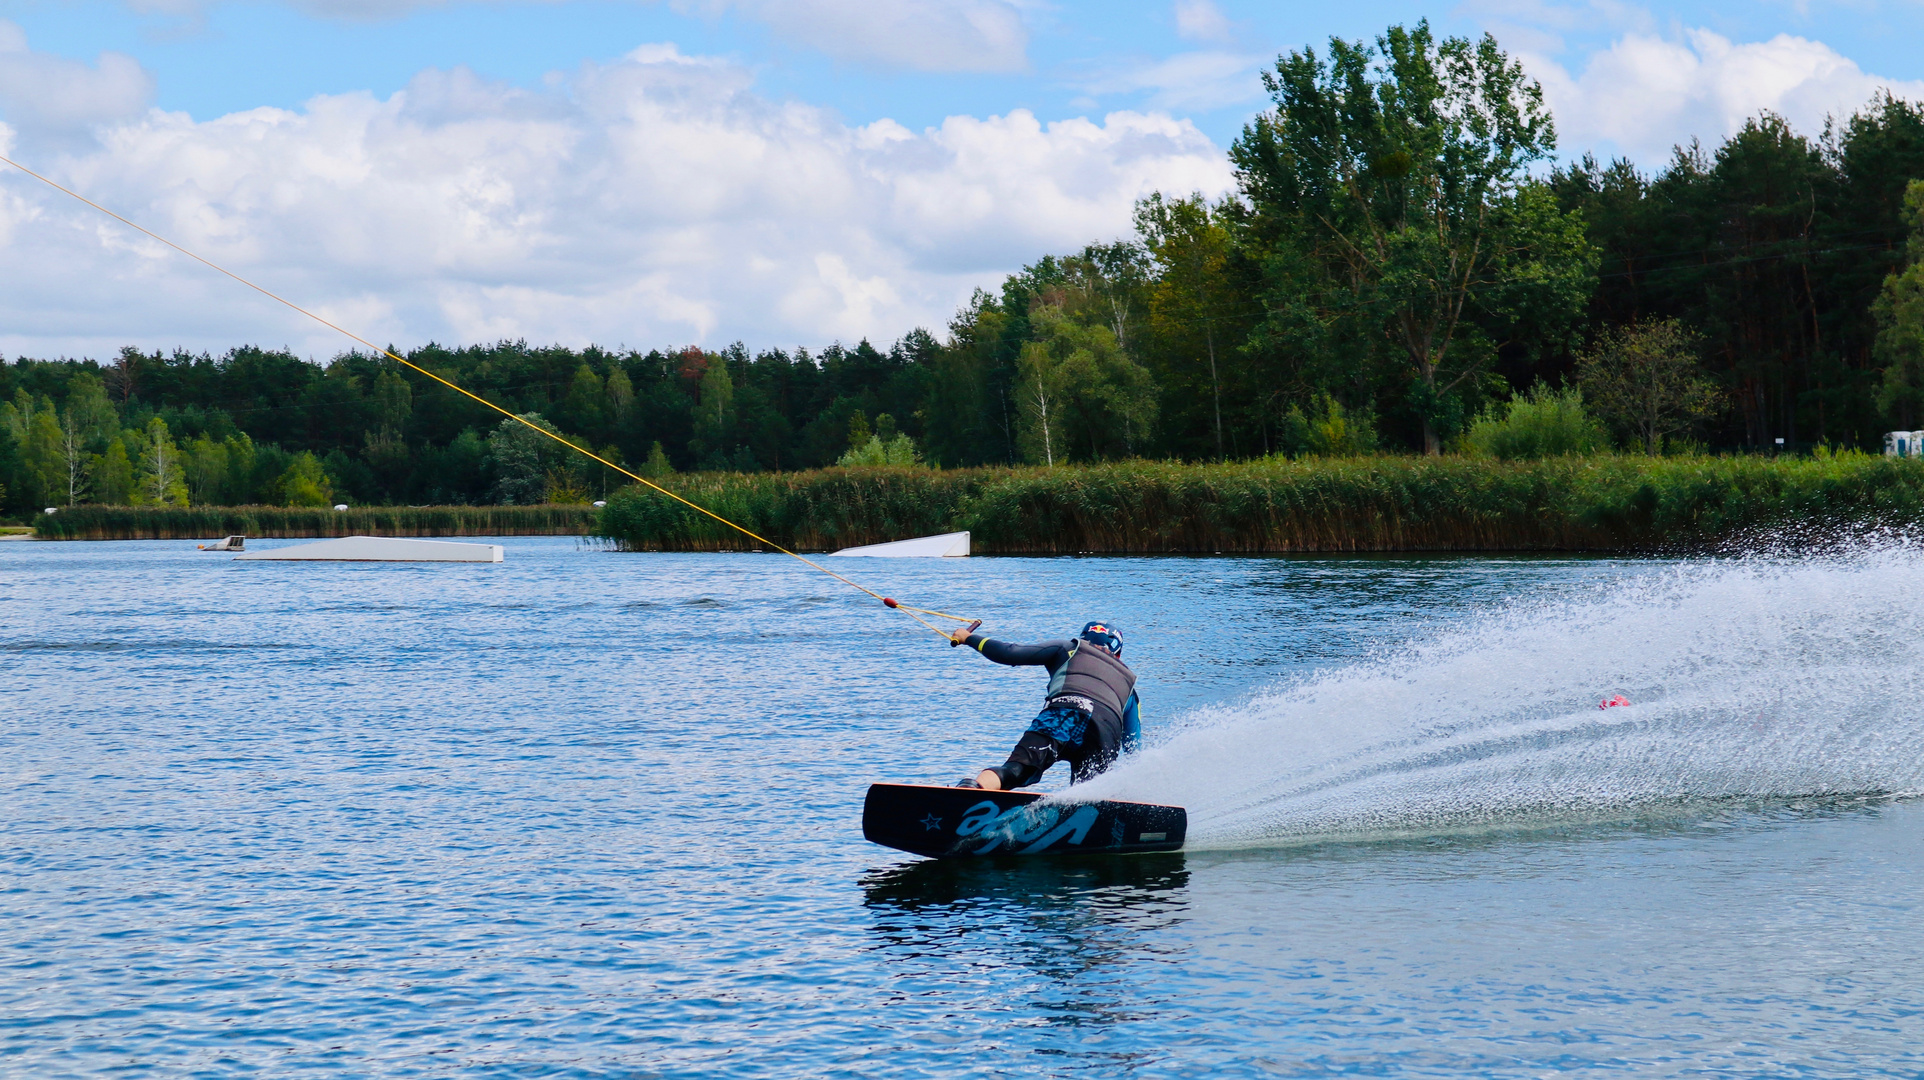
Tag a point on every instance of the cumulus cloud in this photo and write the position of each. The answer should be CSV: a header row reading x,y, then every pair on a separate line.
x,y
1645,93
653,200
44,94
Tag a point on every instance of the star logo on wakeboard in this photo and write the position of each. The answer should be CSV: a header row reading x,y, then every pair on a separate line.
x,y
931,823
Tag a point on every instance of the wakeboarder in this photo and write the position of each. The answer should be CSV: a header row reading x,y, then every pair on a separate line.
x,y
1089,714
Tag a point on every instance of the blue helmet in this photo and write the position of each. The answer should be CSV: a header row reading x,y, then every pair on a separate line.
x,y
1104,635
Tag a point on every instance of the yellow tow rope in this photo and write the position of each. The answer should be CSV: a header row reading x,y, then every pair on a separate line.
x,y
912,612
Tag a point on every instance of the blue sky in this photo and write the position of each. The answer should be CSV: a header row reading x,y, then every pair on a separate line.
x,y
705,170
1073,58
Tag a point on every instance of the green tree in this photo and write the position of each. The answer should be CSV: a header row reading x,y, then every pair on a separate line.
x,y
1615,204
621,394
1756,206
160,478
1645,381
1390,196
564,486
1773,246
86,420
1192,300
657,465
1107,285
605,478
36,468
886,447
206,467
1043,386
15,415
456,473
583,408
1081,396
40,454
93,415
897,452
393,403
112,473
1328,429
970,406
1542,423
388,459
1880,155
242,486
715,415
74,457
305,483
1899,310
522,459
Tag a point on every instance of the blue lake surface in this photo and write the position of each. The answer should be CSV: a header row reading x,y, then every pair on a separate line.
x,y
592,814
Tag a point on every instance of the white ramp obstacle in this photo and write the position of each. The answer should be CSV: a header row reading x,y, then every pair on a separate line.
x,y
380,549
953,545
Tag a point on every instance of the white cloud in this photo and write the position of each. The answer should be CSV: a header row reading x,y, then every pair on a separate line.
x,y
1540,26
653,200
1202,20
1644,93
1201,81
920,35
916,35
44,94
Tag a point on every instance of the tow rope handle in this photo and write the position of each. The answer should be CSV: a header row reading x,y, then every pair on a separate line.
x,y
973,627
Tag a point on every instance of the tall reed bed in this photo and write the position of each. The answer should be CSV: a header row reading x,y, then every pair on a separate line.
x,y
200,522
1603,503
809,511
1598,503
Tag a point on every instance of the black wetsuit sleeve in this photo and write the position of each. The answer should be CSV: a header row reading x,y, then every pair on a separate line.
x,y
1048,654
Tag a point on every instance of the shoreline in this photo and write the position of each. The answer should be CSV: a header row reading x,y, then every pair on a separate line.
x,y
1331,506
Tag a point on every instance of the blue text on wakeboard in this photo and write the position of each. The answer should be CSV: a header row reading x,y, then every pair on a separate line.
x,y
1025,829
947,822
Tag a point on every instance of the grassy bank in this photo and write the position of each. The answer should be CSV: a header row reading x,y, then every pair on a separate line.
x,y
1357,504
201,522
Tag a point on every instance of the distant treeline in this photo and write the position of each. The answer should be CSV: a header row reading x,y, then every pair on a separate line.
x,y
1400,270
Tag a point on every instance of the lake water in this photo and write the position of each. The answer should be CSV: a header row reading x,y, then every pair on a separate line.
x,y
588,814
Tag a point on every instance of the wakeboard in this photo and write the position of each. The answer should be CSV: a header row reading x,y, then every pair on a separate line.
x,y
952,822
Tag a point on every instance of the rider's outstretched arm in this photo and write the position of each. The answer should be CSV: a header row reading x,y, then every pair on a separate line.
x,y
1049,654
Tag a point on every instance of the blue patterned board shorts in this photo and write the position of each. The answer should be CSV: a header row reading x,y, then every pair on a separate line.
x,y
1066,725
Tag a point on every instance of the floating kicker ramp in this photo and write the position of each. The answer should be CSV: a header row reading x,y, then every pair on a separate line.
x,y
379,549
953,545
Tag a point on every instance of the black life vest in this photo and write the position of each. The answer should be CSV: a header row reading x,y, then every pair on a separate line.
x,y
1091,673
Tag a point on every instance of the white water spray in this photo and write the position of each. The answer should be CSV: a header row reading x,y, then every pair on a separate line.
x,y
1750,679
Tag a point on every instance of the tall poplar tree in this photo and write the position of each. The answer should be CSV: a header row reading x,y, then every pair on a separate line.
x,y
1389,189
